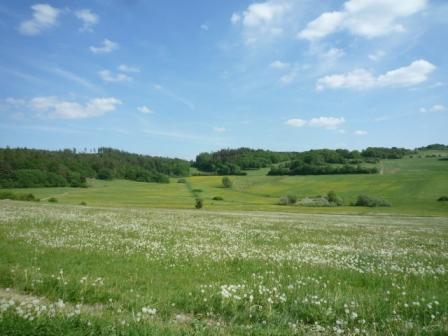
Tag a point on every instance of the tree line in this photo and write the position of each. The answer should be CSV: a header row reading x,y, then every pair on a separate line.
x,y
22,167
312,162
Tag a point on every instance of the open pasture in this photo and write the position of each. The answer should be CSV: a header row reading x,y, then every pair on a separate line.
x,y
101,271
411,185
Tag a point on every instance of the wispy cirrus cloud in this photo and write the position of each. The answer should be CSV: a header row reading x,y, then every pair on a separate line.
x,y
163,90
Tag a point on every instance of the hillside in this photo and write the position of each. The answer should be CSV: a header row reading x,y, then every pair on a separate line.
x,y
22,167
412,185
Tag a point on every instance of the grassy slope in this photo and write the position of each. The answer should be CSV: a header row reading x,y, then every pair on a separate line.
x,y
411,185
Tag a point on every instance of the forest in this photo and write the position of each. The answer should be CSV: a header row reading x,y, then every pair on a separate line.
x,y
312,162
23,168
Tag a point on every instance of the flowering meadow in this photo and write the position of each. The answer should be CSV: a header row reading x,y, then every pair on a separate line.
x,y
101,271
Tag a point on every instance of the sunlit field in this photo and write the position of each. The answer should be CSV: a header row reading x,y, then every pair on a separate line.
x,y
77,270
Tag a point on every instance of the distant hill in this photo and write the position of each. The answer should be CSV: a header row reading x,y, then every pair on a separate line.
x,y
234,161
22,167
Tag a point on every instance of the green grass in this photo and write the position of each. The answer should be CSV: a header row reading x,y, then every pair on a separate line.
x,y
219,273
411,185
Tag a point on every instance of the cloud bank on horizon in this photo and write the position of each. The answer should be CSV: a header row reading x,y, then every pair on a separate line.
x,y
280,74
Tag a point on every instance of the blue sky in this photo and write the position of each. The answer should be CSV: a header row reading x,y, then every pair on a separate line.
x,y
176,78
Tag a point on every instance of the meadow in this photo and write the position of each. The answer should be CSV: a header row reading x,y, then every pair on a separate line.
x,y
78,270
133,258
411,185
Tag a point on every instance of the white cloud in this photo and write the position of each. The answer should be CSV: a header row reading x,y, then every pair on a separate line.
x,y
204,27
261,21
279,65
53,107
366,18
325,24
109,76
295,122
360,132
88,18
128,68
145,109
329,123
106,46
415,73
434,108
235,18
377,55
288,78
219,129
44,17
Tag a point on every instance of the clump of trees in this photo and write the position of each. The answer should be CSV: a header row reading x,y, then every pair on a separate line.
x,y
367,201
24,168
226,182
232,161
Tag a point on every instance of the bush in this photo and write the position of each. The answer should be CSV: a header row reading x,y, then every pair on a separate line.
x,y
334,199
53,200
181,180
218,198
197,190
226,182
368,201
317,201
288,200
19,197
443,199
199,203
83,203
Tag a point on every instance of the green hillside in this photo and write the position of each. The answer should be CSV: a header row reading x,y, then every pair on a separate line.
x,y
412,185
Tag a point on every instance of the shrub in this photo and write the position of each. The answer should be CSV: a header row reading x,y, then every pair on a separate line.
x,y
199,203
218,198
19,197
334,199
197,190
83,203
288,200
364,200
443,199
181,180
317,201
226,182
53,200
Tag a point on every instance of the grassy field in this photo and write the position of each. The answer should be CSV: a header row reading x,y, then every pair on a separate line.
x,y
74,270
411,185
